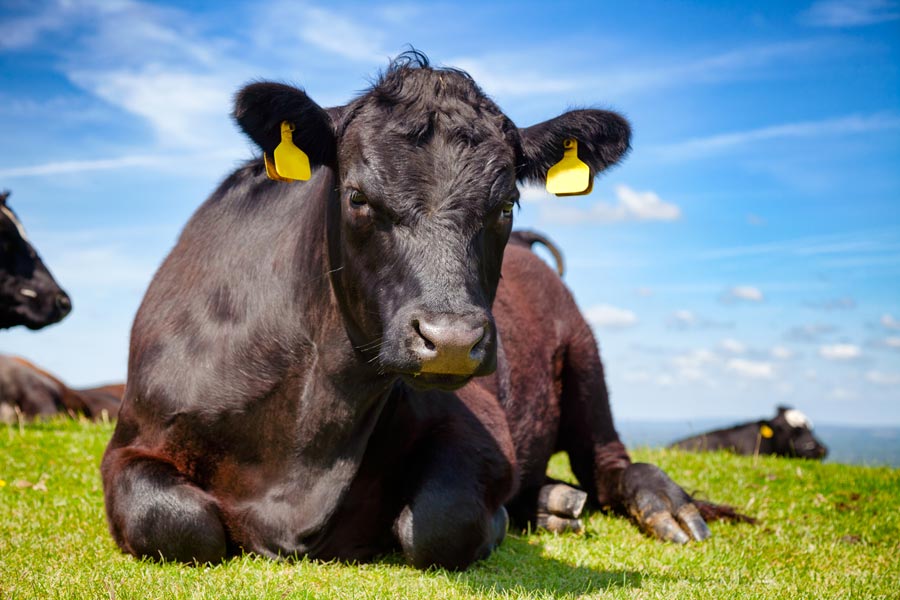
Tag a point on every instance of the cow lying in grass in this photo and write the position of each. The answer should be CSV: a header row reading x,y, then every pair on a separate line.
x,y
336,369
29,295
789,434
29,392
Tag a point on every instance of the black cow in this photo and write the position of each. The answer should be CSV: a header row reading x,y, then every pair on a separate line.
x,y
788,434
300,367
29,295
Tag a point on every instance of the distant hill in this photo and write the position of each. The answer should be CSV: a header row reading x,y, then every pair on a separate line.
x,y
847,445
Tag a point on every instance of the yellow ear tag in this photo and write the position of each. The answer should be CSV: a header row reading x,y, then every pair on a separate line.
x,y
766,431
270,169
290,161
570,176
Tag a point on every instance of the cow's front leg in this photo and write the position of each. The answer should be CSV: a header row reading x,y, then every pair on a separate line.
x,y
156,512
455,515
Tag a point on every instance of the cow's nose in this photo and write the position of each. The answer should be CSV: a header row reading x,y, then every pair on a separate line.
x,y
449,346
63,304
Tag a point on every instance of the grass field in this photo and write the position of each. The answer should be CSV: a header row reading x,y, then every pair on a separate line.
x,y
825,531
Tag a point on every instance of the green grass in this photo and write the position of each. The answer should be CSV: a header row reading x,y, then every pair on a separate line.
x,y
826,531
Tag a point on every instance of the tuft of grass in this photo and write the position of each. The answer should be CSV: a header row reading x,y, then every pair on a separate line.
x,y
825,531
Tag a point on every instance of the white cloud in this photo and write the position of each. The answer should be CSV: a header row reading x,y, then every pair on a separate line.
x,y
683,318
24,31
782,353
852,124
695,359
840,352
185,109
882,378
631,206
497,77
751,369
889,322
733,346
892,342
610,317
79,166
745,293
850,13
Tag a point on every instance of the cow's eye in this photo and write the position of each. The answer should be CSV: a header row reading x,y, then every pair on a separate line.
x,y
507,209
358,199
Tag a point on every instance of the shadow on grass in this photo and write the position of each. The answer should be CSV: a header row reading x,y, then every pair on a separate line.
x,y
521,567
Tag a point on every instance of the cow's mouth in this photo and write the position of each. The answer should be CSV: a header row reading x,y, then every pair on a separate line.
x,y
440,381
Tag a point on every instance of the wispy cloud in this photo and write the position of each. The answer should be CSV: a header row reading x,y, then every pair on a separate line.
x,y
631,205
809,333
684,319
845,303
850,13
78,166
733,346
782,353
175,162
882,378
847,125
840,352
863,247
751,369
742,293
889,322
285,27
605,316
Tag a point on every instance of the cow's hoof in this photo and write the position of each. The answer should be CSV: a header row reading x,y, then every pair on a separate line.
x,y
558,524
660,507
561,500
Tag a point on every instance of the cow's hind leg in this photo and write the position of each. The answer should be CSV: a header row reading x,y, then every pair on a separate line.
x,y
455,514
154,511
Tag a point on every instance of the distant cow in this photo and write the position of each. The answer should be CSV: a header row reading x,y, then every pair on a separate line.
x,y
301,371
27,391
788,434
29,295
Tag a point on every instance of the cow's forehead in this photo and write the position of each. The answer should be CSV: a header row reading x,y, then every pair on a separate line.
x,y
795,418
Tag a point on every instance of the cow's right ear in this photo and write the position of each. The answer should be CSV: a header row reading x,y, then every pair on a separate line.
x,y
260,108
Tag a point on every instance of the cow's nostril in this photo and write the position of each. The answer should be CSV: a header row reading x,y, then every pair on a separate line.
x,y
63,303
428,343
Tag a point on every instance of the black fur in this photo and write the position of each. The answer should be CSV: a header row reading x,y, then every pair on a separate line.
x,y
298,367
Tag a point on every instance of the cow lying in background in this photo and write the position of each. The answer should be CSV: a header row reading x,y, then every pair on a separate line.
x,y
316,368
27,391
29,295
788,434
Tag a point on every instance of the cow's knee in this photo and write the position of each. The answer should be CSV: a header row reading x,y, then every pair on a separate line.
x,y
155,512
442,533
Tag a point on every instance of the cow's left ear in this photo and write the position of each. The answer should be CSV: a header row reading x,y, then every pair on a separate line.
x,y
260,108
603,139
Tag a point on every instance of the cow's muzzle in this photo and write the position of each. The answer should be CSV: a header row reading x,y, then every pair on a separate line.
x,y
450,345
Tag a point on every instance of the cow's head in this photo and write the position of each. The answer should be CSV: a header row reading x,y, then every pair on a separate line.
x,y
427,167
791,435
28,293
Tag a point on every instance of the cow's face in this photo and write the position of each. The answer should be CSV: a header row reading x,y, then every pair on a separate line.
x,y
28,293
427,169
793,435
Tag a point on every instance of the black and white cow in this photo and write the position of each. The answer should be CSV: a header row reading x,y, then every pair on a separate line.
x,y
789,433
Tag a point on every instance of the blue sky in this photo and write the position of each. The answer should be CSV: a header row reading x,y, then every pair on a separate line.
x,y
745,254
